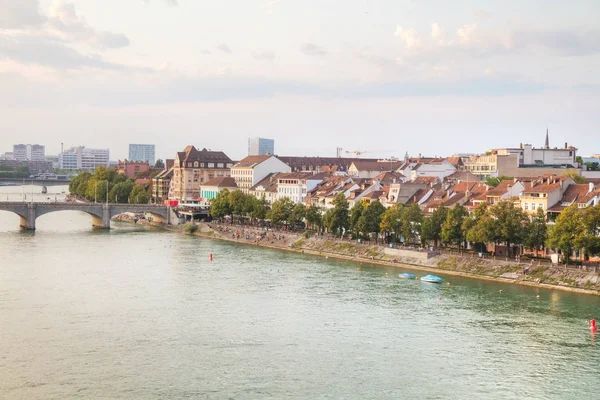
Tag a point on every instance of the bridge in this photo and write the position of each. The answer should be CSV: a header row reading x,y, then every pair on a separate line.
x,y
101,212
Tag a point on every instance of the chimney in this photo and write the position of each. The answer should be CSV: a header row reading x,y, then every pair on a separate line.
x,y
565,145
592,187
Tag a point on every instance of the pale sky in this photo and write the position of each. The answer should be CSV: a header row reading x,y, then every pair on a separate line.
x,y
435,77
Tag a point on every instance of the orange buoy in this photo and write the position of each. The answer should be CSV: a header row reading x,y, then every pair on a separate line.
x,y
593,326
211,257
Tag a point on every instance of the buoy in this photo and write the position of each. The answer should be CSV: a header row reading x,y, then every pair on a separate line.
x,y
211,257
593,326
537,297
500,291
386,274
358,269
448,283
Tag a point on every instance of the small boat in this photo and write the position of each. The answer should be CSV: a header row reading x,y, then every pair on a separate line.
x,y
406,275
431,279
44,189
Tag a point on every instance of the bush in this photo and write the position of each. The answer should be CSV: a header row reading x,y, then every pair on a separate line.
x,y
190,228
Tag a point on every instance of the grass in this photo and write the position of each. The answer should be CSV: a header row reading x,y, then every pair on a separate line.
x,y
190,228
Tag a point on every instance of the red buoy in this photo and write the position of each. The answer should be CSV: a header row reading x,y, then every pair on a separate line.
x,y
593,326
211,257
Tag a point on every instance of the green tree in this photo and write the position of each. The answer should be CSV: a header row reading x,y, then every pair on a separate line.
x,y
220,205
355,214
575,176
477,227
391,221
260,208
452,230
121,191
336,221
412,220
298,214
508,223
139,195
579,160
592,166
536,231
159,164
81,188
314,216
238,200
492,181
281,211
569,232
591,219
431,229
370,219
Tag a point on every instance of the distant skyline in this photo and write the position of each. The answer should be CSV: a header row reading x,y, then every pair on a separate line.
x,y
381,76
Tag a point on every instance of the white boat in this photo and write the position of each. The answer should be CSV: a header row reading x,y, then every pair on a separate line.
x,y
431,279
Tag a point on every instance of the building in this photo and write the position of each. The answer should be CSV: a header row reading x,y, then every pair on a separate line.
x,y
370,169
321,164
209,190
525,160
142,152
296,185
35,167
20,152
83,158
439,168
260,146
9,156
29,152
192,168
266,188
584,195
544,192
132,168
252,169
161,184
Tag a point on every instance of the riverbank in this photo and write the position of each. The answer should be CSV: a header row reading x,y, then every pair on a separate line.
x,y
537,275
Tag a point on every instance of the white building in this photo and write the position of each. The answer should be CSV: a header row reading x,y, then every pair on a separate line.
x,y
296,185
78,158
439,168
252,169
142,152
29,152
370,169
260,146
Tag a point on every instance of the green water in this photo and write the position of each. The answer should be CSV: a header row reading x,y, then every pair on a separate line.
x,y
143,314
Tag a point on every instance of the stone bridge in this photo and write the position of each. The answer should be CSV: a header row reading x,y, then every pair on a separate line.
x,y
101,212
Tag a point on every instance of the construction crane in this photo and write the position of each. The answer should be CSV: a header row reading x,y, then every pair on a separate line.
x,y
356,152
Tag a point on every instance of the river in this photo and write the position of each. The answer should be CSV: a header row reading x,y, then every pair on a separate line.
x,y
141,313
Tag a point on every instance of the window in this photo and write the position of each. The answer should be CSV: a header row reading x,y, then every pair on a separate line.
x,y
195,164
190,164
526,206
532,206
211,165
541,206
202,165
220,165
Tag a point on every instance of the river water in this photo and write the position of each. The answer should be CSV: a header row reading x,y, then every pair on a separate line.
x,y
140,313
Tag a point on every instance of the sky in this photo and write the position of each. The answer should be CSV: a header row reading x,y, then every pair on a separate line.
x,y
384,77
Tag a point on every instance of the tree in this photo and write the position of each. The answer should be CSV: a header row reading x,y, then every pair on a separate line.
x,y
452,231
431,229
579,160
391,221
314,216
370,219
260,208
220,205
575,176
478,225
509,223
281,211
139,195
237,200
592,166
298,214
355,214
492,181
336,221
591,218
568,233
412,219
159,164
536,231
121,191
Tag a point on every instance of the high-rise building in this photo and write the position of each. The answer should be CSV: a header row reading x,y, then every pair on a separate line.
x,y
142,152
260,146
80,157
29,152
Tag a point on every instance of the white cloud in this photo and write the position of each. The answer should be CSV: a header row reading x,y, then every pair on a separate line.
x,y
17,14
311,49
269,6
264,55
409,36
224,48
437,33
64,18
468,35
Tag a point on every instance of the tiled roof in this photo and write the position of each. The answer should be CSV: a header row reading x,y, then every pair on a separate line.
x,y
366,165
191,154
269,182
389,177
251,161
542,188
223,181
501,189
425,179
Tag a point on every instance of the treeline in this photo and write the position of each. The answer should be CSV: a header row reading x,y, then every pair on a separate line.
x,y
120,189
7,172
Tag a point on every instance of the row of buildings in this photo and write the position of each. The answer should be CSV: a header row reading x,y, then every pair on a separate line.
x,y
539,178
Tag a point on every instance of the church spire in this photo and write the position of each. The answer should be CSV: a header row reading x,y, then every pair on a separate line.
x,y
547,143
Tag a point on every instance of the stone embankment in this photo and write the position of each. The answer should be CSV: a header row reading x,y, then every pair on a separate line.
x,y
468,265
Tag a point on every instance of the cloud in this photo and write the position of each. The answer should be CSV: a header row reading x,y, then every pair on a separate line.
x,y
269,6
64,18
264,55
224,48
206,52
564,42
17,14
169,2
409,36
311,49
44,51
